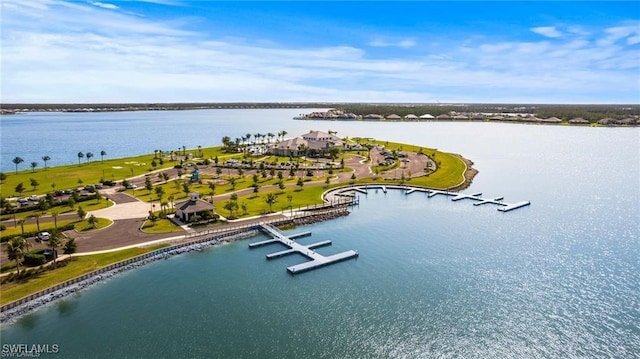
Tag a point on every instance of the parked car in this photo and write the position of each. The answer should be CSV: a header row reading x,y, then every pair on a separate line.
x,y
132,186
34,198
43,236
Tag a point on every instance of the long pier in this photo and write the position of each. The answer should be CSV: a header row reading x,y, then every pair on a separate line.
x,y
455,196
502,206
316,260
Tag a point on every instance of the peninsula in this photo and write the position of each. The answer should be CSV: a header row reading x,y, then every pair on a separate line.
x,y
110,210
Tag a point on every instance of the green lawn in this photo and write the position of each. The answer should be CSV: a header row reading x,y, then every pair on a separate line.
x,y
68,176
84,226
45,225
256,204
75,268
161,226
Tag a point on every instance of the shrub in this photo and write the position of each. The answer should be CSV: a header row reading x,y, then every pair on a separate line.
x,y
33,259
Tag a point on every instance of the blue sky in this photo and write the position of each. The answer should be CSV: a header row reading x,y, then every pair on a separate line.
x,y
212,51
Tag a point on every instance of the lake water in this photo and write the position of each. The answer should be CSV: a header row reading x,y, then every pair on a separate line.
x,y
435,278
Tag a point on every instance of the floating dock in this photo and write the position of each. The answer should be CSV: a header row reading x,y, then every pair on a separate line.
x,y
512,206
474,196
497,200
316,260
502,206
270,241
358,189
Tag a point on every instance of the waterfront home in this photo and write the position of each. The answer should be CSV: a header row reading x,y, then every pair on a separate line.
x,y
410,117
373,116
606,121
444,116
427,116
550,120
578,121
627,121
195,206
394,117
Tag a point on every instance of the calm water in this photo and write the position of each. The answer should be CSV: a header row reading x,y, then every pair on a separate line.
x,y
435,278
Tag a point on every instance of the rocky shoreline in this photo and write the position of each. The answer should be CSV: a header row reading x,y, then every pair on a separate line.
x,y
165,253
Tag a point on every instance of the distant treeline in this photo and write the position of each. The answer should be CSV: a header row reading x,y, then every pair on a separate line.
x,y
105,107
591,113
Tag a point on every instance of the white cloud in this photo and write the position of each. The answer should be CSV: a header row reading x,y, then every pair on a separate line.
x,y
547,31
67,52
404,43
104,5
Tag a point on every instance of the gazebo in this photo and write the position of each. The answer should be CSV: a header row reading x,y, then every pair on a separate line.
x,y
195,206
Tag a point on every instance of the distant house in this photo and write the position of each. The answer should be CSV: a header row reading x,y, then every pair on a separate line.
x,y
627,121
444,116
578,121
394,117
551,120
606,121
410,117
427,116
373,116
460,117
195,206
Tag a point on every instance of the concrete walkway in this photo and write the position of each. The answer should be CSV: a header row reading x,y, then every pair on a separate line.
x,y
125,207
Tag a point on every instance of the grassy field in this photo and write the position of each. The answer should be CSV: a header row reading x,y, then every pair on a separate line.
x,y
76,267
85,226
256,204
161,226
32,227
79,175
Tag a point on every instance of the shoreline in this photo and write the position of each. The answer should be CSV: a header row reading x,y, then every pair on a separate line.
x,y
14,310
514,122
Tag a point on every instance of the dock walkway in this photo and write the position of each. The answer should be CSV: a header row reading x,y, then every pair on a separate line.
x,y
317,260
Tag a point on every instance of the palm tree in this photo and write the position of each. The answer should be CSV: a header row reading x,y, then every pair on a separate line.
x,y
89,155
80,155
37,217
34,164
55,241
45,159
271,199
17,161
16,249
21,223
102,154
55,214
284,133
271,136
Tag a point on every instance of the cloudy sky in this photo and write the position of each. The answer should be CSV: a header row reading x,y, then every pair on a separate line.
x,y
212,51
